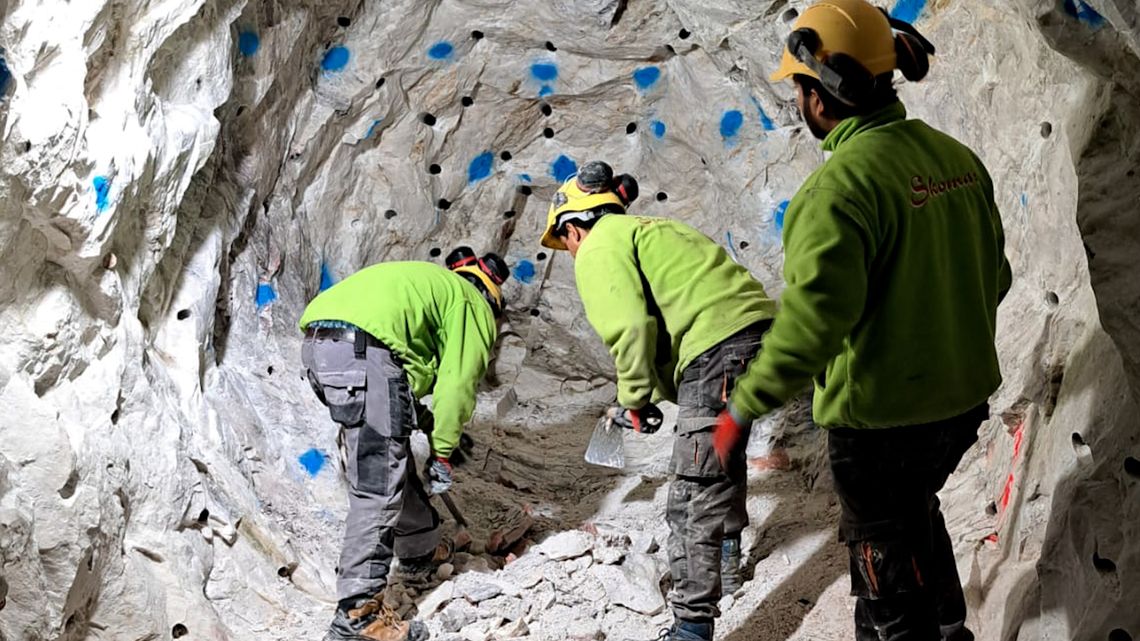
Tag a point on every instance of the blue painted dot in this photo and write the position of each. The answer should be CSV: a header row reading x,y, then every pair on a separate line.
x,y
335,59
778,216
545,91
480,167
102,186
523,271
440,50
265,294
5,76
646,77
730,123
524,177
1083,12
248,43
544,71
562,168
908,10
658,128
1024,200
312,460
327,279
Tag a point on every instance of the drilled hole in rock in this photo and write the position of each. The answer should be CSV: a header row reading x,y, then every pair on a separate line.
x,y
344,21
541,256
435,251
27,146
443,203
550,46
509,214
240,110
183,314
390,214
179,631
789,15
662,196
1132,466
548,132
505,156
525,190
684,34
670,49
535,312
1102,564
1046,129
631,127
114,417
1131,173
269,370
285,571
1119,635
434,169
428,119
1078,440
467,101
744,244
477,35
1051,298
546,109
379,83
204,515
991,509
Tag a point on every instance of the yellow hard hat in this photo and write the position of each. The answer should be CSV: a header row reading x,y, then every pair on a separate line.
x,y
570,199
854,28
493,288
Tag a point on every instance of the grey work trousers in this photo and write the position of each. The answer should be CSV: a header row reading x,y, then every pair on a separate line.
x,y
706,501
367,392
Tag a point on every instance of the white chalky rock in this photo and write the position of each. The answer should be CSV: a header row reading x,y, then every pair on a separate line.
x,y
566,545
635,584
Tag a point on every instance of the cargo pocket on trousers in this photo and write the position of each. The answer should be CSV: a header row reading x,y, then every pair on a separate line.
x,y
693,454
344,393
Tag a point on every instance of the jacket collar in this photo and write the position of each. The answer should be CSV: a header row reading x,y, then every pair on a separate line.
x,y
852,127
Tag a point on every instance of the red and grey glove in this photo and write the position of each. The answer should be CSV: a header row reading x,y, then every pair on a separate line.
x,y
647,419
729,434
439,474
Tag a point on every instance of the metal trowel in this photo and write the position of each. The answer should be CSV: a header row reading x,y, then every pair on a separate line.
x,y
607,444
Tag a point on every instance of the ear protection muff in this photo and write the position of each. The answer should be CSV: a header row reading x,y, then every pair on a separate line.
x,y
841,75
625,186
460,256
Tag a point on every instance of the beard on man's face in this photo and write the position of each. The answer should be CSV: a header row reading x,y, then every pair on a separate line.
x,y
813,125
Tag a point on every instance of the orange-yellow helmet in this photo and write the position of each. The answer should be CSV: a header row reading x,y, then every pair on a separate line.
x,y
855,28
571,199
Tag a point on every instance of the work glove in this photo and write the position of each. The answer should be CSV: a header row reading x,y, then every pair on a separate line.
x,y
440,476
730,431
646,420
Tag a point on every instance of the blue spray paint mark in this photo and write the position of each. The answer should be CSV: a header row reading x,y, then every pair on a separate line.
x,y
765,121
480,167
327,279
545,91
544,71
312,461
102,186
778,216
908,10
730,123
562,168
524,177
5,76
1024,200
372,127
658,128
265,294
248,43
335,59
731,245
523,271
1083,12
441,50
646,77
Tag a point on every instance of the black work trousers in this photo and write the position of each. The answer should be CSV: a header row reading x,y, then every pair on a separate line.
x,y
903,571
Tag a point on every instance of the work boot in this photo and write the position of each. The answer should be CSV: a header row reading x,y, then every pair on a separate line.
x,y
424,566
683,630
731,578
370,620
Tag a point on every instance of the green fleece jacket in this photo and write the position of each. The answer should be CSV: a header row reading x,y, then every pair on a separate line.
x,y
659,293
894,264
436,322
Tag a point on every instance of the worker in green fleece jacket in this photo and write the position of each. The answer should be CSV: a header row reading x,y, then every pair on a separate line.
x,y
682,320
375,343
894,263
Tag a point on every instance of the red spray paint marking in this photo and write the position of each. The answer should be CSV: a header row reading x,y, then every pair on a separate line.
x,y
1007,492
